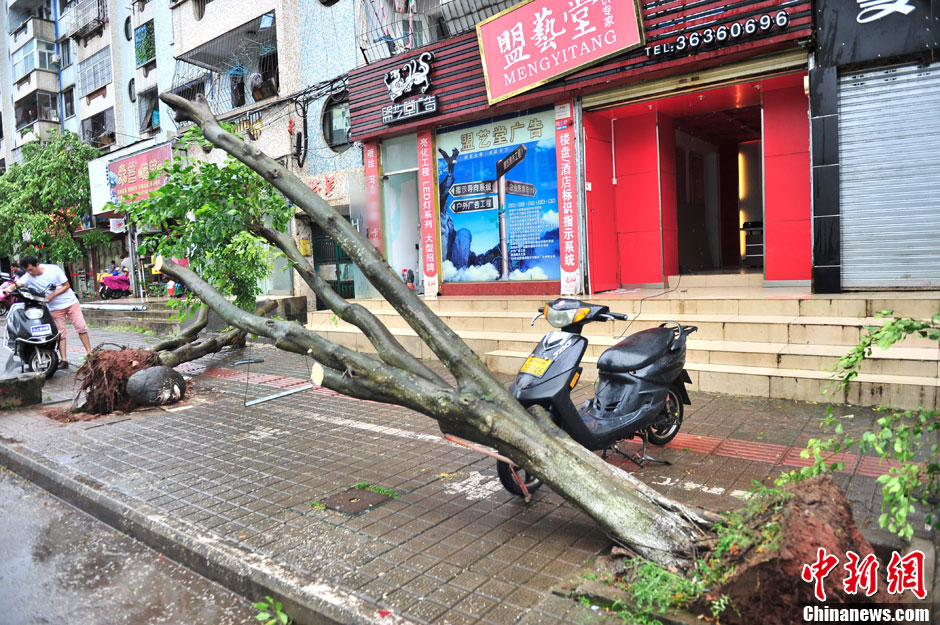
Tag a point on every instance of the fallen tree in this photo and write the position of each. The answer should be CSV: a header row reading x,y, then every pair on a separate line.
x,y
475,406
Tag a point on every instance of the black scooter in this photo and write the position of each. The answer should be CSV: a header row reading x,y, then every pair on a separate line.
x,y
31,334
640,385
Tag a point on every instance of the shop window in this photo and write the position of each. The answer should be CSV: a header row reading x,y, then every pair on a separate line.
x,y
400,153
68,102
336,122
94,72
145,48
98,130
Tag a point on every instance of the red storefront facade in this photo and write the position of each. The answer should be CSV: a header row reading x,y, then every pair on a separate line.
x,y
677,144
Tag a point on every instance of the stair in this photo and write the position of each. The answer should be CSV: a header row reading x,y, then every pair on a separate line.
x,y
764,346
157,317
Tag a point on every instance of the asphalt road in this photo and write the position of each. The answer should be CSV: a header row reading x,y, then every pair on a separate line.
x,y
59,566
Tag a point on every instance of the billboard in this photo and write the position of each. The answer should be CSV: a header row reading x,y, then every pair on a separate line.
x,y
130,176
538,41
499,200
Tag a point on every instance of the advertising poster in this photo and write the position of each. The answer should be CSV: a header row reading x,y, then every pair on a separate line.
x,y
129,178
499,200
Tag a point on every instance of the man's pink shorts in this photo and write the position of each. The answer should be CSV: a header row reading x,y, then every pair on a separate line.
x,y
74,313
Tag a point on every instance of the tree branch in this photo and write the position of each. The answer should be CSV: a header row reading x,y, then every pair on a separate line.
x,y
443,341
188,335
409,390
190,351
386,345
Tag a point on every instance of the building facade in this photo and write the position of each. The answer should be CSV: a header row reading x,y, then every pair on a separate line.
x,y
550,152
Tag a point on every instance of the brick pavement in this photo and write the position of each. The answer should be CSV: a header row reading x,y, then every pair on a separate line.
x,y
453,548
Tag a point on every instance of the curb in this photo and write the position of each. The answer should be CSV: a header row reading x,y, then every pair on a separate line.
x,y
306,599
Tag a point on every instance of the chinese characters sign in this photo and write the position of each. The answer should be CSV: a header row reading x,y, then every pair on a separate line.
x,y
538,41
567,200
129,177
426,204
902,573
499,200
373,202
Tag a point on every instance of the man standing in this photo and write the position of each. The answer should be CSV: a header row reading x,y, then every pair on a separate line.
x,y
50,280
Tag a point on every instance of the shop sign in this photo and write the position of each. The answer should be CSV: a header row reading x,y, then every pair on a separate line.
x,y
413,76
373,202
541,40
721,36
430,231
129,178
853,31
567,200
493,228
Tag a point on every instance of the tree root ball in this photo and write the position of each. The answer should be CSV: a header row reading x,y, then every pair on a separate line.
x,y
156,386
103,378
766,586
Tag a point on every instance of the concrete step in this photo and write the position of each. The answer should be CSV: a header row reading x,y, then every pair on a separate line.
x,y
716,280
800,330
921,305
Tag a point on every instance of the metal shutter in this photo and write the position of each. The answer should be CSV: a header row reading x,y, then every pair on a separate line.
x,y
889,156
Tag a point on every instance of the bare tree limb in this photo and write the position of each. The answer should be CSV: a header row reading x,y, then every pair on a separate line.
x,y
386,345
443,341
188,335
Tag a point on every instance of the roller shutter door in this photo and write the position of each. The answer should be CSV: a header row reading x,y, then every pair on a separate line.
x,y
889,157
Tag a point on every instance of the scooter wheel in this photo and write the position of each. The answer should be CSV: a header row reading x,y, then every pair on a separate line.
x,y
44,360
509,482
668,425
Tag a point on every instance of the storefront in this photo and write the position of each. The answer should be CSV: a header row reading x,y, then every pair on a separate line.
x,y
876,97
595,164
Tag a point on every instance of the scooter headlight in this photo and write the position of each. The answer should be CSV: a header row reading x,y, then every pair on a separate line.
x,y
562,318
33,313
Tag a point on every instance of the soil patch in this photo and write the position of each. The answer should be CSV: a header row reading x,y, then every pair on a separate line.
x,y
767,587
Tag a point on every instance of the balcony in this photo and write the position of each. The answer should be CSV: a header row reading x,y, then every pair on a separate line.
x,y
33,28
34,132
98,130
84,18
35,81
234,70
433,20
38,107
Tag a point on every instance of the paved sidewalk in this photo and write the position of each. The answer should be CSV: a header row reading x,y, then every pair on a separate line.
x,y
226,489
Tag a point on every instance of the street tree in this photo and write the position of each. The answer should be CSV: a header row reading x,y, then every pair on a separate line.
x,y
43,198
476,406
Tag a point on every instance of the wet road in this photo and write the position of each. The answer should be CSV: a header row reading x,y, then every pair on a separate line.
x,y
59,566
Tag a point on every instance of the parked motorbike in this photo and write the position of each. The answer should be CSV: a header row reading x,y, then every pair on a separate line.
x,y
114,287
6,299
640,389
31,334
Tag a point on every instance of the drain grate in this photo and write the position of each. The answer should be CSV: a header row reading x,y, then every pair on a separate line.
x,y
355,501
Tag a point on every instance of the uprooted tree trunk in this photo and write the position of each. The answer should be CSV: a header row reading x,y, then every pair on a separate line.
x,y
477,407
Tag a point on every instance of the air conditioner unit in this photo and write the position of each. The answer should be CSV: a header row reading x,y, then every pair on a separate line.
x,y
54,116
55,59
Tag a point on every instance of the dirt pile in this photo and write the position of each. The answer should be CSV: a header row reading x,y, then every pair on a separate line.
x,y
767,587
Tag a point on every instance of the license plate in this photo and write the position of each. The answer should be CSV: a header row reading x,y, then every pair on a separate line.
x,y
42,330
535,366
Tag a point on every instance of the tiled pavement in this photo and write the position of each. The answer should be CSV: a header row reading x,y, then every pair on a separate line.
x,y
454,547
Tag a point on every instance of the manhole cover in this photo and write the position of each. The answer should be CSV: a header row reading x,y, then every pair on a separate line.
x,y
354,501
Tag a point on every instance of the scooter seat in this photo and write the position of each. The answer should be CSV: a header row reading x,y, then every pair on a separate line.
x,y
636,351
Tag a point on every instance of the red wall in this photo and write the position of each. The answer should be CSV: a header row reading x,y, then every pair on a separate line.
x,y
668,208
636,197
788,239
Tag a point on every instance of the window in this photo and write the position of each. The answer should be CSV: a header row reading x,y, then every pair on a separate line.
x,y
145,48
68,102
94,72
65,51
148,110
45,52
336,123
24,61
131,90
199,8
98,130
40,106
128,29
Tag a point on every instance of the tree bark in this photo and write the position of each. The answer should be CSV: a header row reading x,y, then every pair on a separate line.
x,y
186,336
191,350
477,408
